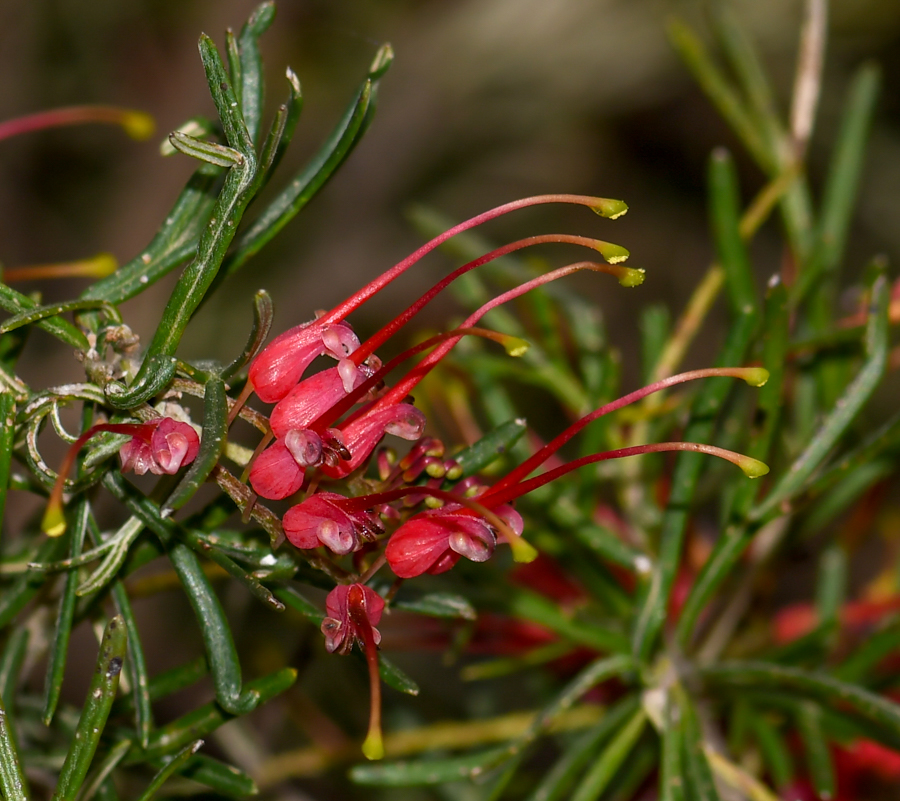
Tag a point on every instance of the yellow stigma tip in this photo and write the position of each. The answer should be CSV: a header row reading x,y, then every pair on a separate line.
x,y
373,747
611,209
522,551
138,125
54,523
614,254
632,277
515,346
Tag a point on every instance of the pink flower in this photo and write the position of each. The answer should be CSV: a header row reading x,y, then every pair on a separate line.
x,y
320,520
352,612
159,446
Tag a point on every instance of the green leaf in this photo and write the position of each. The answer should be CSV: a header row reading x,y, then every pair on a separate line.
x,y
175,765
202,721
209,152
699,783
720,92
324,164
671,775
395,677
99,699
843,175
428,771
439,604
7,434
17,303
221,778
212,443
539,609
491,446
844,412
725,214
818,756
140,683
263,312
251,90
856,701
12,780
774,749
555,783
56,664
608,762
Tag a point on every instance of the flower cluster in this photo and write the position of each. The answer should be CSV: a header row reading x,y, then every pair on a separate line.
x,y
420,515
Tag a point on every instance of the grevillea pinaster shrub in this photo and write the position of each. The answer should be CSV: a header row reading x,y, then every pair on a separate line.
x,y
615,575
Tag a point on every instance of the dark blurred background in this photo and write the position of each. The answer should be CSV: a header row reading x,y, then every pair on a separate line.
x,y
488,100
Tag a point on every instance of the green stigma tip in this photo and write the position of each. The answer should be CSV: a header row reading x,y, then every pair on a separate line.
x,y
614,254
611,209
753,468
756,376
632,277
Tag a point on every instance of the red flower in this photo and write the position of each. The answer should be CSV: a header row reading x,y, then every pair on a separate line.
x,y
275,473
159,446
353,612
281,365
320,520
433,541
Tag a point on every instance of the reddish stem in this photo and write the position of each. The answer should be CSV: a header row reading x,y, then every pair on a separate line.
x,y
377,340
373,747
536,460
341,311
414,376
511,493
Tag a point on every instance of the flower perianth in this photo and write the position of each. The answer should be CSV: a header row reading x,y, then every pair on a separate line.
x,y
353,611
275,372
433,541
161,446
276,474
